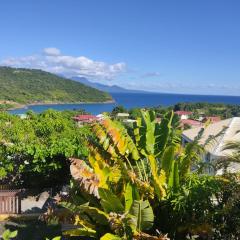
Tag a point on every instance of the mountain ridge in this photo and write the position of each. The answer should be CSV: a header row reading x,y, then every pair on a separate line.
x,y
105,88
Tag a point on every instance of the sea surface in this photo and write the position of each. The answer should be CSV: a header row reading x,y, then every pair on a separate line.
x,y
132,100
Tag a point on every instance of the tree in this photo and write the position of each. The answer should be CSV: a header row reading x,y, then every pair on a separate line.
x,y
118,109
39,147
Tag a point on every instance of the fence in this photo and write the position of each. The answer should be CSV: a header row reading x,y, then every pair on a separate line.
x,y
10,201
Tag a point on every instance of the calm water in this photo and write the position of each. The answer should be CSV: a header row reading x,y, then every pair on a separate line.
x,y
131,100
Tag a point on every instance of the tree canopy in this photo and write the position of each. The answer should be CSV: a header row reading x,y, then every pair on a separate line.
x,y
39,146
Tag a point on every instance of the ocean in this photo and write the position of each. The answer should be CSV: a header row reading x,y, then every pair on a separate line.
x,y
132,100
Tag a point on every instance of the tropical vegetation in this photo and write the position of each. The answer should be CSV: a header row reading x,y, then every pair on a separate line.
x,y
135,182
141,183
38,147
198,109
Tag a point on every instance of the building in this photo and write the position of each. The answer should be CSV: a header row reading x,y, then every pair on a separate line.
x,y
213,119
214,150
191,123
183,114
101,117
84,119
122,115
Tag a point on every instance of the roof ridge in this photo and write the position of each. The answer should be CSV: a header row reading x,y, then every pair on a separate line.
x,y
216,149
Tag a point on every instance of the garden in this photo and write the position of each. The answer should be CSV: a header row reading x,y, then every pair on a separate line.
x,y
134,182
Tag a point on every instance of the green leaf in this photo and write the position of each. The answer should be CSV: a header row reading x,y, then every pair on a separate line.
x,y
143,213
7,235
83,232
109,201
130,195
158,177
167,159
56,238
173,181
96,214
163,132
110,236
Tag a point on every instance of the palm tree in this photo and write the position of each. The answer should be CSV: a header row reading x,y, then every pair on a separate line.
x,y
234,157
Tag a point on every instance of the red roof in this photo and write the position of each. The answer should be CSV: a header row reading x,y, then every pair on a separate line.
x,y
183,113
85,117
212,119
191,122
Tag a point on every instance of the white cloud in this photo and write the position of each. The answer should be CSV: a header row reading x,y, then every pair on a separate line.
x,y
53,61
52,51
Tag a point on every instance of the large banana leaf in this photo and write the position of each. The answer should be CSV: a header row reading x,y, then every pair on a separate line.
x,y
167,159
115,140
130,195
173,182
158,177
84,232
143,213
110,202
162,133
144,132
97,215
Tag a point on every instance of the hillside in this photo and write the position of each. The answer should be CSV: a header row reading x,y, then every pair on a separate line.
x,y
29,86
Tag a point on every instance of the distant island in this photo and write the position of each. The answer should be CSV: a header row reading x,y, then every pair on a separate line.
x,y
106,88
20,86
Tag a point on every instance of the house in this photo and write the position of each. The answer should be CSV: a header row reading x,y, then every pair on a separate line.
x,y
129,122
191,123
183,114
214,150
84,119
213,119
101,117
122,116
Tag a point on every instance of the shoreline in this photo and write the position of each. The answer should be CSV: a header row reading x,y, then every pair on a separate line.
x,y
19,106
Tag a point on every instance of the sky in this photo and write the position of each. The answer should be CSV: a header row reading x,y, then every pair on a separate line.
x,y
187,46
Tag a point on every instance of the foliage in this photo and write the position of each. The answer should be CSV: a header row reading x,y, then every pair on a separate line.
x,y
8,235
38,147
210,109
118,109
199,108
138,181
126,173
135,113
33,86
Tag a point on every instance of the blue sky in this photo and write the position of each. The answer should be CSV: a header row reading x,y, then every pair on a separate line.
x,y
176,46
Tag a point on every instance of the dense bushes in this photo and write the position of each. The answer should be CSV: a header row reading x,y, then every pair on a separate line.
x,y
35,151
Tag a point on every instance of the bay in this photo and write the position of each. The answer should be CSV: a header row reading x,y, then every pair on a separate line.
x,y
132,100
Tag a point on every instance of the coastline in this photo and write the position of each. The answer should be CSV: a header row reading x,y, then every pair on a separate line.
x,y
19,106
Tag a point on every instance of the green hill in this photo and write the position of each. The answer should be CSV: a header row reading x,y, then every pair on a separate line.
x,y
29,86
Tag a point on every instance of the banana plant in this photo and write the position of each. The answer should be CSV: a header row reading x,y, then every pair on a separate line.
x,y
151,157
124,219
124,173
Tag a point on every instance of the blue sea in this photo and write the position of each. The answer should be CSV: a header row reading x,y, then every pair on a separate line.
x,y
132,100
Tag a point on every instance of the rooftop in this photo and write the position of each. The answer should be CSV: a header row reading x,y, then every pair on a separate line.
x,y
84,117
123,115
232,126
191,122
183,113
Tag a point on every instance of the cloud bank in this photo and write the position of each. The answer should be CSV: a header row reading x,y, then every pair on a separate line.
x,y
52,60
